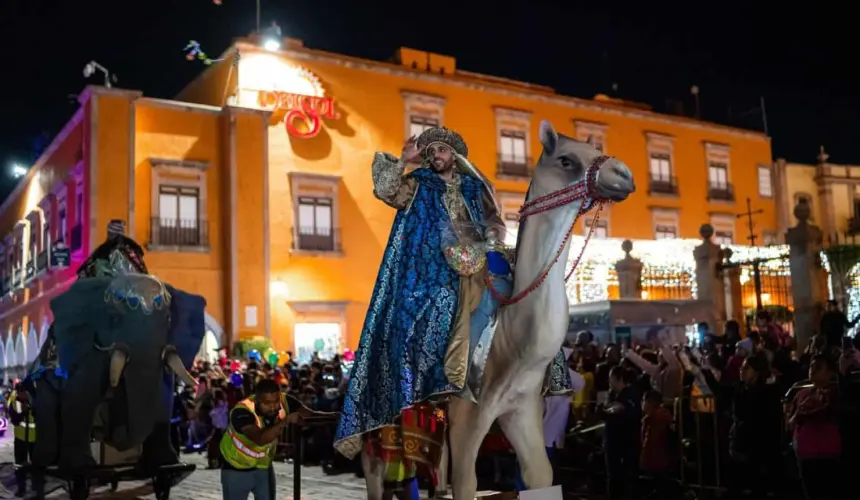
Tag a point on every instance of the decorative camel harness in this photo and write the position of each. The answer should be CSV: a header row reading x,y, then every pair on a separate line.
x,y
582,190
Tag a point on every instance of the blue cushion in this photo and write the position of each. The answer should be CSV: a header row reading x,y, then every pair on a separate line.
x,y
497,264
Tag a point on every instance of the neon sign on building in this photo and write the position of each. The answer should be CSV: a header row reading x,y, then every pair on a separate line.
x,y
298,95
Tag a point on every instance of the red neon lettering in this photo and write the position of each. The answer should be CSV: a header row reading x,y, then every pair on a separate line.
x,y
309,110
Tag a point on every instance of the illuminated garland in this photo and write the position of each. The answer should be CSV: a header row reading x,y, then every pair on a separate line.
x,y
667,264
853,290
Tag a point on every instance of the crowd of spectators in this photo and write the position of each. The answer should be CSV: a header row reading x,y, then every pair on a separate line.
x,y
201,414
733,413
742,416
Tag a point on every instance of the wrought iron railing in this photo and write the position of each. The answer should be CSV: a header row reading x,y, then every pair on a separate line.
x,y
317,239
179,232
721,192
513,166
663,185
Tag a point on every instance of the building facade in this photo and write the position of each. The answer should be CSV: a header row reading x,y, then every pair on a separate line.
x,y
253,188
170,170
831,190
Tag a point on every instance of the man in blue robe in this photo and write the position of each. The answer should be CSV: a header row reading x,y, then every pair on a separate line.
x,y
403,356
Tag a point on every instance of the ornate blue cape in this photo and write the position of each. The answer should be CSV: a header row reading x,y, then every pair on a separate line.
x,y
401,354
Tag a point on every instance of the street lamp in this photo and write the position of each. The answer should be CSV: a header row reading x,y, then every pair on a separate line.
x,y
91,68
18,170
695,91
272,38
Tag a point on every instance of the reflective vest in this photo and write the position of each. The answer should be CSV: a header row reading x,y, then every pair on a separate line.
x,y
26,430
239,451
701,402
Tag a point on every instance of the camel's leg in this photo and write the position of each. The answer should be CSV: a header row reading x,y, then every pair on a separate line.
x,y
468,425
373,475
524,429
442,469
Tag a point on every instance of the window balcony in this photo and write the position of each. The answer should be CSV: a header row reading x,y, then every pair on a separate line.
x,y
663,185
514,166
42,261
854,226
721,192
77,238
317,239
179,233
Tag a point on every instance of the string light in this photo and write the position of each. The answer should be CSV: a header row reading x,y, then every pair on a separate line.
x,y
668,267
853,292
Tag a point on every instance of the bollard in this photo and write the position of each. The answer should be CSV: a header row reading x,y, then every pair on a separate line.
x,y
298,452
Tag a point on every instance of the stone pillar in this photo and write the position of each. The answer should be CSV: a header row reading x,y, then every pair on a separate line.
x,y
709,278
734,292
825,196
804,241
782,197
629,270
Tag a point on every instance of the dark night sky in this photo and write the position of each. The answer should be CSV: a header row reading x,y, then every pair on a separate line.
x,y
799,58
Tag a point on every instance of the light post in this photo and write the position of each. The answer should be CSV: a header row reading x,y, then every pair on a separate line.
x,y
92,67
695,91
18,170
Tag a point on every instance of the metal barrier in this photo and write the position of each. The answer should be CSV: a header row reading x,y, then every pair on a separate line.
x,y
701,427
292,440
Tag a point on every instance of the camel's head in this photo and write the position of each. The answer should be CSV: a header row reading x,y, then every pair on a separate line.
x,y
564,161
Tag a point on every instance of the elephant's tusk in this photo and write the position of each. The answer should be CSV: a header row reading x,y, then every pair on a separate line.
x,y
118,359
175,364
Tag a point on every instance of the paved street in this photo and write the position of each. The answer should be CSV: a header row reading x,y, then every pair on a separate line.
x,y
205,484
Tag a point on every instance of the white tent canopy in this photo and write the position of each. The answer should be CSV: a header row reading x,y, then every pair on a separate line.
x,y
32,343
10,352
20,349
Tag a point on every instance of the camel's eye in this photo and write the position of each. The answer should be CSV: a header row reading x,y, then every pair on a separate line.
x,y
565,162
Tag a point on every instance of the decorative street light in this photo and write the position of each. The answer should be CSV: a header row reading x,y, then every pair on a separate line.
x,y
92,67
272,38
18,170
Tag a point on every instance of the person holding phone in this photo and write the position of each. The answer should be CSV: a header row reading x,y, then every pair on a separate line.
x,y
249,443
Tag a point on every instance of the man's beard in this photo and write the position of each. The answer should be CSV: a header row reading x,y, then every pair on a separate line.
x,y
441,167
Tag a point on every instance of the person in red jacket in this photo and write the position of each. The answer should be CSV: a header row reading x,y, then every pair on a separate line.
x,y
659,446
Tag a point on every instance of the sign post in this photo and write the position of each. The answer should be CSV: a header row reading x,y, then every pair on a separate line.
x,y
60,256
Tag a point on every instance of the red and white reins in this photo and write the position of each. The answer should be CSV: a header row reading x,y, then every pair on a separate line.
x,y
583,190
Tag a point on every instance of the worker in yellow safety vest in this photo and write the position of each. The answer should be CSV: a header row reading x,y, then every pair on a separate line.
x,y
21,416
248,446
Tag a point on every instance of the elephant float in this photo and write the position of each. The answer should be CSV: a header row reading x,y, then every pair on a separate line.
x,y
107,370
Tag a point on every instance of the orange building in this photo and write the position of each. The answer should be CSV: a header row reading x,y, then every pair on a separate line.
x,y
253,188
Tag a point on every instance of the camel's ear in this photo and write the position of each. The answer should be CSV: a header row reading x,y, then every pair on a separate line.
x,y
590,141
548,137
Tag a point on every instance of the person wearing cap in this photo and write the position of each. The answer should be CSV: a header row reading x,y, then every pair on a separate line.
x,y
117,254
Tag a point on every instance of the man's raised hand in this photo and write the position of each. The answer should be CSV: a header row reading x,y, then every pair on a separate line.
x,y
410,151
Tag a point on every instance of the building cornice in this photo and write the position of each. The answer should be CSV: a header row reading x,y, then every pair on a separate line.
x,y
471,82
180,106
172,162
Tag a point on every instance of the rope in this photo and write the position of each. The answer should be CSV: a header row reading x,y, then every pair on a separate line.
x,y
584,189
314,412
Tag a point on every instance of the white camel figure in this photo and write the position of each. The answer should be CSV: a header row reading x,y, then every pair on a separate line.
x,y
530,331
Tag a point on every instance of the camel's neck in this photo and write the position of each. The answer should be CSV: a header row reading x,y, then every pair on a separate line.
x,y
538,242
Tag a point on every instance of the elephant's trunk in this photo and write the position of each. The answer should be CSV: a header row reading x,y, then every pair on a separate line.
x,y
118,359
174,362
